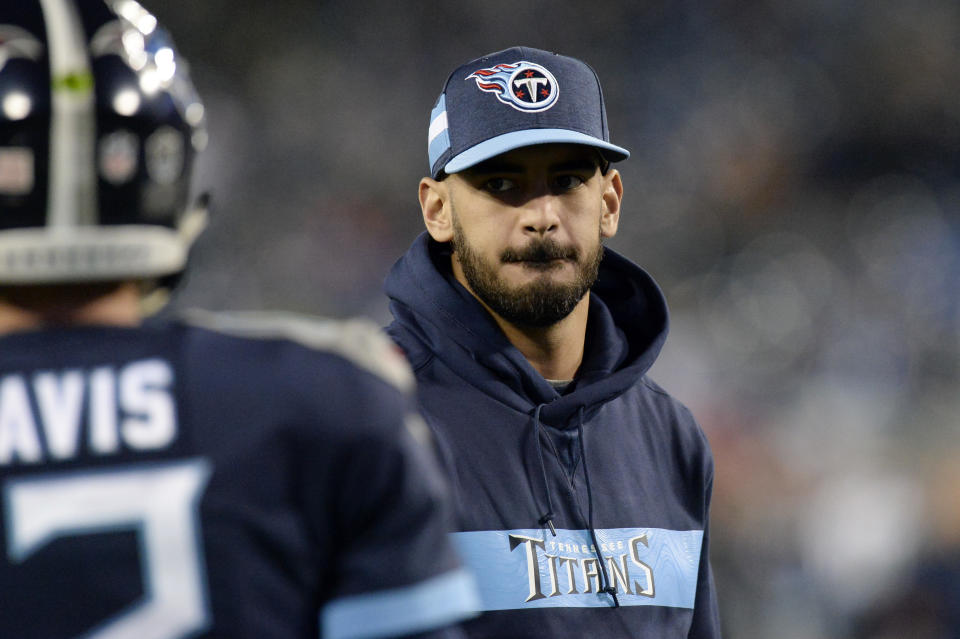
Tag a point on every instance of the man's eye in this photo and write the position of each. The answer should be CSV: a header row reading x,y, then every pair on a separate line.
x,y
567,182
499,185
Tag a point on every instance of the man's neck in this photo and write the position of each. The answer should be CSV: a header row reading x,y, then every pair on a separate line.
x,y
555,351
36,307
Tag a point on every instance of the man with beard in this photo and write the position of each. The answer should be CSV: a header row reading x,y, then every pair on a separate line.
x,y
582,488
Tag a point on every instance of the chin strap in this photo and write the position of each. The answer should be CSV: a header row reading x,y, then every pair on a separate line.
x,y
194,220
192,223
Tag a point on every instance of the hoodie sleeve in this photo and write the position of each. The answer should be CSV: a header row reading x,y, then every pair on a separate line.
x,y
706,616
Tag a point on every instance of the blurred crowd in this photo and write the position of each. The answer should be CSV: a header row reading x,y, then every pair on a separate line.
x,y
794,188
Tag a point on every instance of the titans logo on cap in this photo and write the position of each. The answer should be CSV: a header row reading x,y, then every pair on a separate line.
x,y
523,85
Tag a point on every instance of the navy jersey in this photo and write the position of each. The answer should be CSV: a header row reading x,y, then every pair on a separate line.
x,y
222,477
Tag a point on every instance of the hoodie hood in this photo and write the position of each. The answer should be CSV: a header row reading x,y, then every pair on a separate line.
x,y
435,316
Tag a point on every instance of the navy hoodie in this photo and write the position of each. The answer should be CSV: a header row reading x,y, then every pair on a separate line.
x,y
581,514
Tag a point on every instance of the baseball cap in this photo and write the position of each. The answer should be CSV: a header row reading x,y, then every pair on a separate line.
x,y
515,98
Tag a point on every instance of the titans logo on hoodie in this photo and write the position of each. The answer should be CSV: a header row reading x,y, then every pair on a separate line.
x,y
580,514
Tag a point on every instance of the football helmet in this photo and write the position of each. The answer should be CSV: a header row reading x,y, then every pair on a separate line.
x,y
99,128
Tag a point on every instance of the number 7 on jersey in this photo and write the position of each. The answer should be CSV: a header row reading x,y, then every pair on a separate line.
x,y
159,502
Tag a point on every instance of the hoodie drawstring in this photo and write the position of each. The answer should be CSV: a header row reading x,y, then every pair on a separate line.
x,y
605,585
547,518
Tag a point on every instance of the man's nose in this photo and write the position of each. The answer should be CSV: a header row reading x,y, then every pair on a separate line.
x,y
541,215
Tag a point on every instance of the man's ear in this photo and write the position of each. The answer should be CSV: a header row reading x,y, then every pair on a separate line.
x,y
434,200
611,198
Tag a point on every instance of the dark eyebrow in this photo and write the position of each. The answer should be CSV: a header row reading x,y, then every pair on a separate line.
x,y
588,165
493,166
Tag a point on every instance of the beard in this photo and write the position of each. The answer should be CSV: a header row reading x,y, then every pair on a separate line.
x,y
539,303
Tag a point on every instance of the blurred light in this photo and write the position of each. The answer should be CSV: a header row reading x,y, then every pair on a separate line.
x,y
17,105
126,102
134,46
861,533
862,412
194,114
166,65
147,23
762,313
908,251
199,140
150,81
137,15
792,258
772,305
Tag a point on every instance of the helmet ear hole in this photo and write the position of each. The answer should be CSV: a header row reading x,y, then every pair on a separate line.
x,y
97,162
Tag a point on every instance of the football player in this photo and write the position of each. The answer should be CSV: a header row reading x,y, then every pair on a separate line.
x,y
213,476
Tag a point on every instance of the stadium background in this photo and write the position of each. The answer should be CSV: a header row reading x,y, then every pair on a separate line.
x,y
794,188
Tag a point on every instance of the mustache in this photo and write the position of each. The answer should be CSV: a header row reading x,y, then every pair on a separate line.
x,y
540,251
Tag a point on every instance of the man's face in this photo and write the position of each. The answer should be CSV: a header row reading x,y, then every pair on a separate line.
x,y
527,230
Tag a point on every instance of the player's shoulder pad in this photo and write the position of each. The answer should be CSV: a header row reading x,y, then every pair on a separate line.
x,y
357,340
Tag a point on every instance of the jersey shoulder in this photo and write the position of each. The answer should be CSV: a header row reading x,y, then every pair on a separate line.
x,y
358,341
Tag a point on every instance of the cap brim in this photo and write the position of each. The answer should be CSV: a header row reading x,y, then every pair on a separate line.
x,y
528,137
